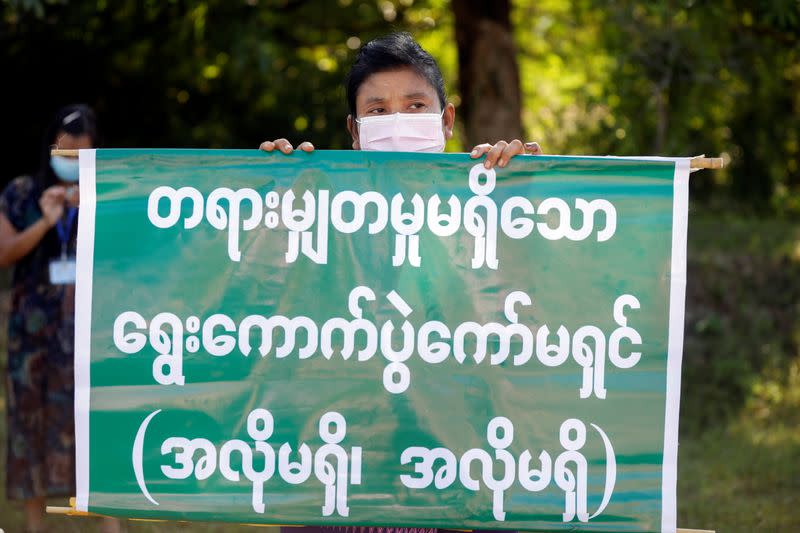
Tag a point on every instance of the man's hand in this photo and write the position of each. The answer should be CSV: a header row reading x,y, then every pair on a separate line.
x,y
285,146
52,204
502,152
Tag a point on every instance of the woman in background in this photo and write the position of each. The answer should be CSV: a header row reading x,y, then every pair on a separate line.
x,y
38,228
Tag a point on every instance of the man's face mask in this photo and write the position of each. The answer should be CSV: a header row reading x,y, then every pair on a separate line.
x,y
402,132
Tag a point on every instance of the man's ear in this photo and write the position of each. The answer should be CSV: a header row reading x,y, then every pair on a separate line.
x,y
449,119
352,127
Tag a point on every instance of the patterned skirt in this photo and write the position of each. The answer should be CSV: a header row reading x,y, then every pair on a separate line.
x,y
39,405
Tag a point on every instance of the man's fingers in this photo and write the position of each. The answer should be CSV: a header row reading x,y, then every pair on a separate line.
x,y
306,146
280,144
494,154
284,146
515,147
533,148
480,150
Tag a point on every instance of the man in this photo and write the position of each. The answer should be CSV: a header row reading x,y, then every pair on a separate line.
x,y
396,97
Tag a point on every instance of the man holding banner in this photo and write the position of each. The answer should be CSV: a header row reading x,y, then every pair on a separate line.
x,y
396,96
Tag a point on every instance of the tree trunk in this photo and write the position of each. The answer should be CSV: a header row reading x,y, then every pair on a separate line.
x,y
488,75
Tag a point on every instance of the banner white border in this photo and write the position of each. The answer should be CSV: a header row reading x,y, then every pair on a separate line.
x,y
677,303
83,324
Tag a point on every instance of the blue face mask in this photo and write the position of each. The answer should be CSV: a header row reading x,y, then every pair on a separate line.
x,y
66,168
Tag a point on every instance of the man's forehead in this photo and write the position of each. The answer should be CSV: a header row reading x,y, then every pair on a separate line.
x,y
404,82
369,99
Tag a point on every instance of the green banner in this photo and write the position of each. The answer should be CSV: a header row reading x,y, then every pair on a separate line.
x,y
380,339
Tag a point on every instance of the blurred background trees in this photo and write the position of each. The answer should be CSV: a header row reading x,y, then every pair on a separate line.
x,y
582,76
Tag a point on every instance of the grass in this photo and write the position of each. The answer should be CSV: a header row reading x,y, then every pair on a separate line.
x,y
736,478
739,455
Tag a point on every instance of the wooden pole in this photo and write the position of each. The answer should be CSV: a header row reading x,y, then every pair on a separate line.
x,y
72,512
706,162
64,153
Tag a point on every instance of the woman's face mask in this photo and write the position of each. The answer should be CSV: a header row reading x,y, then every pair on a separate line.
x,y
66,168
402,132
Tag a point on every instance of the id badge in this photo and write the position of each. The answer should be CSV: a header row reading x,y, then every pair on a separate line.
x,y
62,271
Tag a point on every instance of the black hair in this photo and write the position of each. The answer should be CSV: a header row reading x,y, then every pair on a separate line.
x,y
76,119
396,50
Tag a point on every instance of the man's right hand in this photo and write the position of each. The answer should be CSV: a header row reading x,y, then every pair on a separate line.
x,y
285,146
52,204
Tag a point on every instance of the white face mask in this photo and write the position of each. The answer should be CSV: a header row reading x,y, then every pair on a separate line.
x,y
402,132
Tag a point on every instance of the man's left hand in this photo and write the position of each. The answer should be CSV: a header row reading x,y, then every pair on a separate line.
x,y
501,152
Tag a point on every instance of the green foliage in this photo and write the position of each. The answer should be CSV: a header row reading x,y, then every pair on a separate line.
x,y
671,78
179,73
742,340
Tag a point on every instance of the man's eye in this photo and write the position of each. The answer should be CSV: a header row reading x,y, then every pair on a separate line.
x,y
417,106
377,111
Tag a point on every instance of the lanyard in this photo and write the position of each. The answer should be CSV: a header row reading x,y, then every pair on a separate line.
x,y
65,228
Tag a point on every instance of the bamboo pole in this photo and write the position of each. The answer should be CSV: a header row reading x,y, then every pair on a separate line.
x,y
64,153
71,511
696,162
712,163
